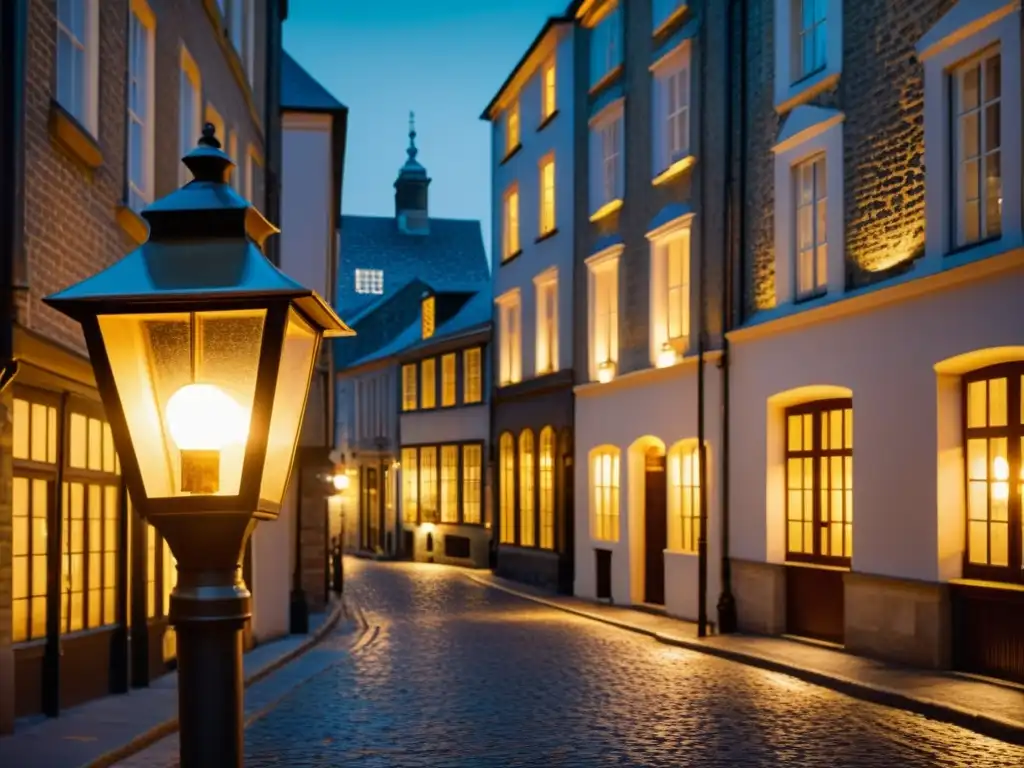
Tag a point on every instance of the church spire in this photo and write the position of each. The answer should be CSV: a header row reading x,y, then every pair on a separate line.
x,y
411,189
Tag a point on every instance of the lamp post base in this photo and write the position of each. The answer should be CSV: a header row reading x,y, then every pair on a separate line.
x,y
208,611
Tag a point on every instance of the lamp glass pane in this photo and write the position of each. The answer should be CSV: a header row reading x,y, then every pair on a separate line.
x,y
154,359
297,352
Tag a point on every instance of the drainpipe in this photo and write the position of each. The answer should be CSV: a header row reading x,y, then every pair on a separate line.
x,y
702,539
733,244
12,80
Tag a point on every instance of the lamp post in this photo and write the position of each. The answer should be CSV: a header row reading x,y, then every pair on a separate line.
x,y
203,353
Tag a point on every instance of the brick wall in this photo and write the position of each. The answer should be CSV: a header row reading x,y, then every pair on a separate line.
x,y
880,92
70,227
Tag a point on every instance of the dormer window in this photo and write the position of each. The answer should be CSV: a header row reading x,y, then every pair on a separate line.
x,y
428,317
370,281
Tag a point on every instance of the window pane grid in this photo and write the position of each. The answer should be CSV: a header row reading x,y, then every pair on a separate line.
x,y
547,197
527,523
684,499
410,486
473,386
448,380
370,281
449,484
994,441
977,91
428,485
507,485
606,316
546,475
811,228
139,150
72,63
548,97
511,238
409,387
547,327
472,471
812,37
819,482
677,256
605,489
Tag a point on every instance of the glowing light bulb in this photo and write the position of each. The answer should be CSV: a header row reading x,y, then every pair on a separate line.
x,y
203,420
606,372
341,482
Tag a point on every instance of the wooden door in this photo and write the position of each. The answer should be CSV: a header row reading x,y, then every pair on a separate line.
x,y
655,529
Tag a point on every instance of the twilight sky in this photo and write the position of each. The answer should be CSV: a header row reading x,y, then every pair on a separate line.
x,y
443,59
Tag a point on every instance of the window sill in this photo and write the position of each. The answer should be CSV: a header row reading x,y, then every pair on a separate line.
x,y
511,257
670,22
680,166
134,225
547,121
606,210
816,566
1006,586
511,153
606,79
803,91
546,235
509,383
74,137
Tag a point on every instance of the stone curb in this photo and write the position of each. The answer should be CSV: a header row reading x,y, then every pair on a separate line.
x,y
973,720
166,728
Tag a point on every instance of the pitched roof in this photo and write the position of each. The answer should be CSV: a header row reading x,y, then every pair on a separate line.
x,y
474,315
451,255
302,92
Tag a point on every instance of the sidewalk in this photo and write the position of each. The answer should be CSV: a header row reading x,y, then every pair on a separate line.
x,y
101,732
992,708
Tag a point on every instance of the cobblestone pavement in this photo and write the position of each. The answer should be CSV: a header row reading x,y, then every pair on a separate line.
x,y
469,677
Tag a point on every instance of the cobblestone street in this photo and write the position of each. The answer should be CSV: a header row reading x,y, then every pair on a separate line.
x,y
462,675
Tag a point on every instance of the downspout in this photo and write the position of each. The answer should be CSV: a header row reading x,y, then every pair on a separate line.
x,y
702,540
12,82
733,244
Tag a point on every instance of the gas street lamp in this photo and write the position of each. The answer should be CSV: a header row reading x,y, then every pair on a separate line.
x,y
203,353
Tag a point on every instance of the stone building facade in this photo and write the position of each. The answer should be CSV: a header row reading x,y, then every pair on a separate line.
x,y
650,209
877,362
115,93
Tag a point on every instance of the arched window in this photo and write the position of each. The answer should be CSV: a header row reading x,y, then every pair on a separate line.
x,y
684,497
604,488
527,522
994,435
546,474
507,461
819,482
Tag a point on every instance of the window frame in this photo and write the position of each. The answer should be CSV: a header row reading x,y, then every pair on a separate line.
x,y
526,472
978,61
428,386
605,525
800,68
140,192
510,368
675,66
428,316
547,494
188,135
607,160
507,489
88,80
598,266
410,387
548,209
369,281
816,408
513,128
606,44
548,90
1013,433
449,380
546,342
468,378
511,223
683,457
819,282
791,90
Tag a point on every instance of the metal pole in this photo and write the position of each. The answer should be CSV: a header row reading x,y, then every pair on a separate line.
x,y
209,608
702,535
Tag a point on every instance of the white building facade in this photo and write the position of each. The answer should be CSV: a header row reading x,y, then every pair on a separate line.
x,y
882,371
